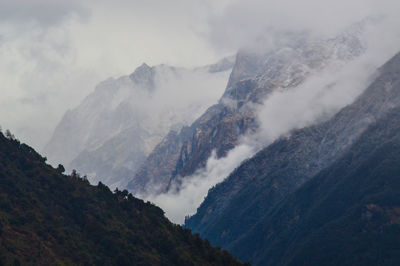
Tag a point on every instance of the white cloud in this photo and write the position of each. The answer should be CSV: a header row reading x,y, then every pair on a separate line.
x,y
179,204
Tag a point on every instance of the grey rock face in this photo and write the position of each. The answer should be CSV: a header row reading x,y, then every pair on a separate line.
x,y
169,147
233,207
254,76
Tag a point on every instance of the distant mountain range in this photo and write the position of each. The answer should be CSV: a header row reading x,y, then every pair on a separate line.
x,y
325,195
113,130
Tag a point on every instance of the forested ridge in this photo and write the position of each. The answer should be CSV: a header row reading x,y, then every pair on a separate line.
x,y
48,218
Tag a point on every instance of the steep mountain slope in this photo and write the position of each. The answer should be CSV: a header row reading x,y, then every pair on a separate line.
x,y
47,218
254,76
113,130
253,189
348,214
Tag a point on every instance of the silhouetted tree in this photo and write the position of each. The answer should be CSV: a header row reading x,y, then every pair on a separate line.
x,y
61,168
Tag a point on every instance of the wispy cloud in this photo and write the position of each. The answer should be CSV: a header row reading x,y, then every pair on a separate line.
x,y
183,201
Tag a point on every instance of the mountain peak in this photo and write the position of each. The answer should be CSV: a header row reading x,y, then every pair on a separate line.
x,y
143,66
143,76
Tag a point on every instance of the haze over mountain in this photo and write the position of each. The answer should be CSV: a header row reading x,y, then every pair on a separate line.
x,y
255,200
112,131
254,76
183,167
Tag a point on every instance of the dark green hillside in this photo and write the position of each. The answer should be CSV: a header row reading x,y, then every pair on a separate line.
x,y
348,214
47,218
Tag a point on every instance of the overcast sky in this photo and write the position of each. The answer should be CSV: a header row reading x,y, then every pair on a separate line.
x,y
53,52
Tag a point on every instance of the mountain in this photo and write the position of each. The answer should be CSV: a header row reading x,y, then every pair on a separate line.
x,y
111,132
234,208
47,218
255,75
348,214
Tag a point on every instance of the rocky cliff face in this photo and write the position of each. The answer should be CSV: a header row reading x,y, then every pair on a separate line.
x,y
254,76
254,189
114,129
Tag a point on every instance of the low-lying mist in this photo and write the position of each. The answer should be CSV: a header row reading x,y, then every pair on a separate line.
x,y
317,99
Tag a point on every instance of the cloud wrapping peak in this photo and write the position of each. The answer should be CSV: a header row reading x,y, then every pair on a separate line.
x,y
322,95
316,100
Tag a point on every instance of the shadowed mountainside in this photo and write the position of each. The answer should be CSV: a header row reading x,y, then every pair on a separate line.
x,y
254,189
